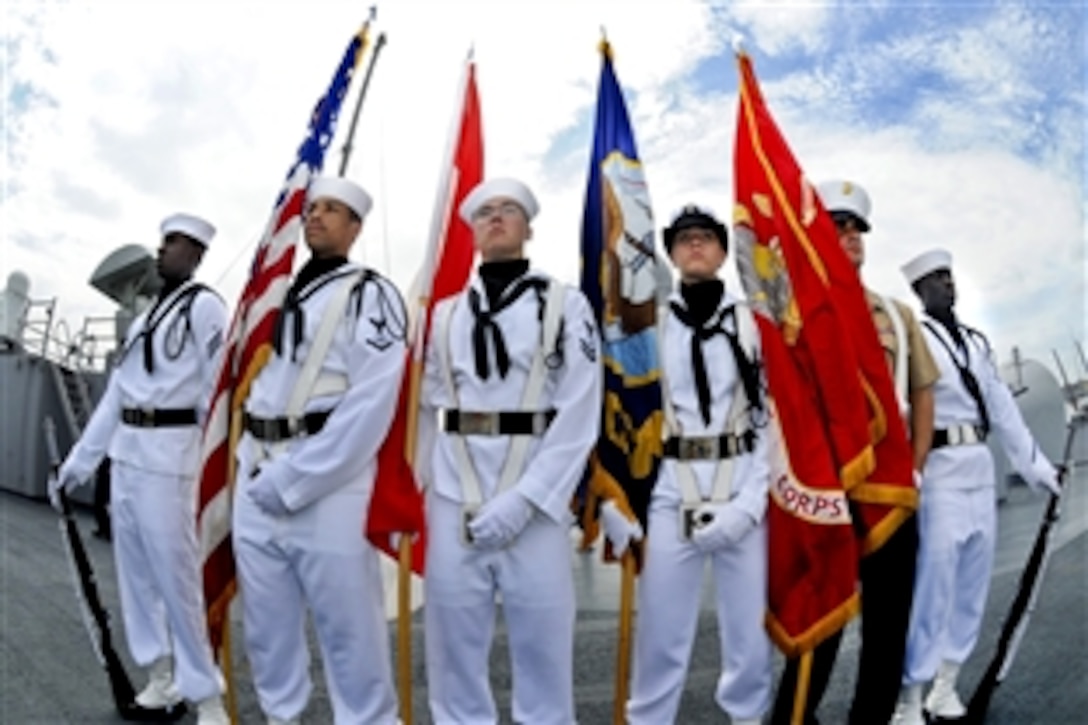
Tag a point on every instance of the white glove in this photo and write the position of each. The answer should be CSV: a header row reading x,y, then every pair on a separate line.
x,y
1044,477
57,481
395,539
263,493
620,530
730,524
1050,483
917,479
500,520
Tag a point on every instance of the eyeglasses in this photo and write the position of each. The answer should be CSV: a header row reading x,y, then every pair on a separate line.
x,y
695,234
507,208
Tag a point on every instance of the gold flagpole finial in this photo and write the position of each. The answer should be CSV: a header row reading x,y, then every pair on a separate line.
x,y
604,46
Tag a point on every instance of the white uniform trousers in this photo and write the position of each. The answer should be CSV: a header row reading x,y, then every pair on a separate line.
x,y
534,578
955,559
315,558
668,610
162,602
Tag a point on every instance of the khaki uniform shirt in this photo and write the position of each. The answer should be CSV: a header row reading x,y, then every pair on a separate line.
x,y
921,369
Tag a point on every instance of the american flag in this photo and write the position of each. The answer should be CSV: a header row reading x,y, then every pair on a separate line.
x,y
249,343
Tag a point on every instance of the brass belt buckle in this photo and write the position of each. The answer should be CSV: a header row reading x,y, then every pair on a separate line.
x,y
478,423
697,448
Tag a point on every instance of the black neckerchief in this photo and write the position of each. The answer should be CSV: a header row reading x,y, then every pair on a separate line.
x,y
169,286
702,299
501,290
948,320
314,268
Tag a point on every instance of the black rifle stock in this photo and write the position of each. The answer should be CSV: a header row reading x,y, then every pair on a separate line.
x,y
96,618
1023,603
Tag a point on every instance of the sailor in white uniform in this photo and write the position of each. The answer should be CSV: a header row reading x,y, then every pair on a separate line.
x,y
711,495
148,422
511,409
314,420
958,515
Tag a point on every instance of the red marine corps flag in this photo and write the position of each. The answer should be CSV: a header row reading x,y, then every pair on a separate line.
x,y
845,457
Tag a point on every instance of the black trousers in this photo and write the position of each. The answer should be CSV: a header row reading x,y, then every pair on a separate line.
x,y
887,586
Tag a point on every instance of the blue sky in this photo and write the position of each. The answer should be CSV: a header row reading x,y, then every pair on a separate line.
x,y
964,120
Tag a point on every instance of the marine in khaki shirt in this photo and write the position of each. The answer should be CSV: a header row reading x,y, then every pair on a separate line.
x,y
921,372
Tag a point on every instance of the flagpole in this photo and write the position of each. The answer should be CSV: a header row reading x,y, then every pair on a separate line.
x,y
347,148
404,570
623,647
418,331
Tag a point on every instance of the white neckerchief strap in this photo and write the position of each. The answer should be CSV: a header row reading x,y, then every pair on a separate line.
x,y
534,387
471,490
900,353
308,376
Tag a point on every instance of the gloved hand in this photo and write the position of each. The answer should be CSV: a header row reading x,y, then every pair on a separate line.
x,y
729,526
620,530
263,493
395,539
57,481
1050,483
917,479
500,520
1044,476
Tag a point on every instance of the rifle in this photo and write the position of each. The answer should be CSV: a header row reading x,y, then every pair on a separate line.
x,y
1023,604
95,617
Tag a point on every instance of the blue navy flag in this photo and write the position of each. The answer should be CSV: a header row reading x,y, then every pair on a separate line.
x,y
619,277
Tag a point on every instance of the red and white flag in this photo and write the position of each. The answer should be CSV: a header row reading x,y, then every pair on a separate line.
x,y
397,503
249,346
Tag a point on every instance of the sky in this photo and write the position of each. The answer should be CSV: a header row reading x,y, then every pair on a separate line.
x,y
965,121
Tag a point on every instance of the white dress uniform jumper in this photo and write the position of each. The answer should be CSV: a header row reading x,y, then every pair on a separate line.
x,y
148,422
315,418
716,462
957,515
511,409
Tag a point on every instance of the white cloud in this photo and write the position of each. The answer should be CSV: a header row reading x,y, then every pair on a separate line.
x,y
139,109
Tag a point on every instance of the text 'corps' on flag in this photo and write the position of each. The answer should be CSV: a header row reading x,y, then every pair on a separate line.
x,y
620,279
397,505
841,434
249,343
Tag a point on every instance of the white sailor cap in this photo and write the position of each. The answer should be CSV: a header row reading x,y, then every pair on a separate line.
x,y
197,229
347,192
925,263
846,196
494,188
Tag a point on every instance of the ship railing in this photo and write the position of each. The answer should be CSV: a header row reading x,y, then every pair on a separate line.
x,y
89,349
